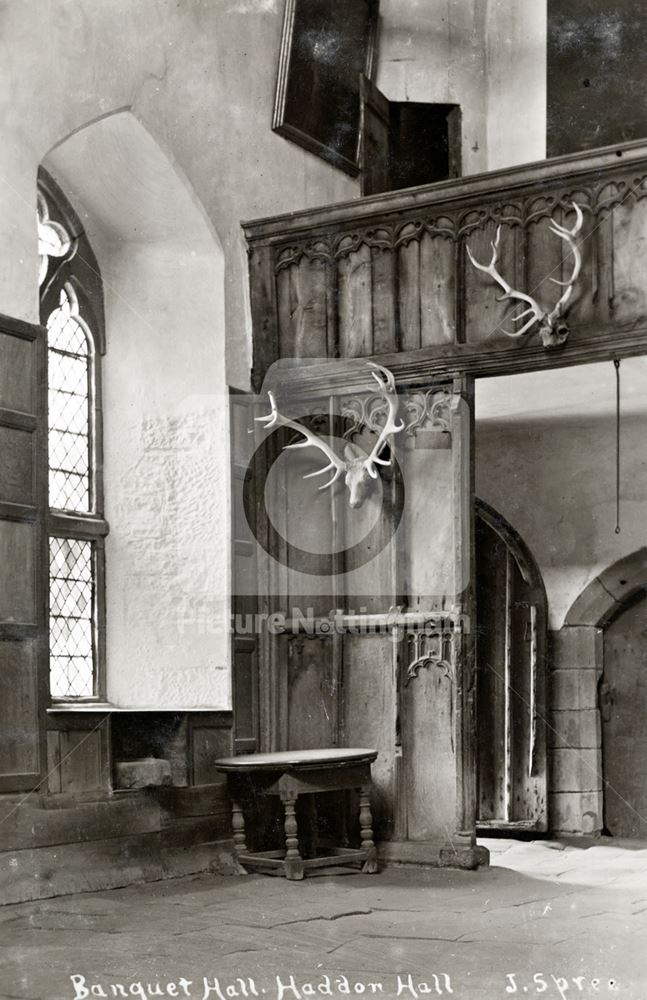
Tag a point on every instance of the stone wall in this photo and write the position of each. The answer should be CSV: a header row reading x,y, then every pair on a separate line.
x,y
575,780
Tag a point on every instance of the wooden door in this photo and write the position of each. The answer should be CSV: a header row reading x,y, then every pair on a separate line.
x,y
511,629
374,151
23,555
623,705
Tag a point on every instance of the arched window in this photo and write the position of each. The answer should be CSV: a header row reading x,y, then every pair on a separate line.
x,y
71,306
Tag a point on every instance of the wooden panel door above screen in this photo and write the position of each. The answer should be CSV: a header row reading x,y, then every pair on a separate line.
x,y
23,555
374,131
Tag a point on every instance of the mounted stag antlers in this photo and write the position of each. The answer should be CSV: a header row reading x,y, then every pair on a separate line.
x,y
358,467
553,330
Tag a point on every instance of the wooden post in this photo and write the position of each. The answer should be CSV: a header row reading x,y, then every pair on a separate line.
x,y
238,826
293,860
366,828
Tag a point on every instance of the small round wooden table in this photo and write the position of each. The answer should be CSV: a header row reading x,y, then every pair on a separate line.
x,y
292,773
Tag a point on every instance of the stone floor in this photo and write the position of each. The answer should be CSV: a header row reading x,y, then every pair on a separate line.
x,y
546,919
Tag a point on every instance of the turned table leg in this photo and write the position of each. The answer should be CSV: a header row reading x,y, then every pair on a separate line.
x,y
238,826
293,861
366,828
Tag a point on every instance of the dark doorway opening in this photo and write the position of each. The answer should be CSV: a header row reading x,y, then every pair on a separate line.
x,y
407,143
425,143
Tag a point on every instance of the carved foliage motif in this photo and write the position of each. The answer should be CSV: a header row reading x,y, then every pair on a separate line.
x,y
595,200
430,409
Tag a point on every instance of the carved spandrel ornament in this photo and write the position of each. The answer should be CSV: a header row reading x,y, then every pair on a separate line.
x,y
429,650
430,409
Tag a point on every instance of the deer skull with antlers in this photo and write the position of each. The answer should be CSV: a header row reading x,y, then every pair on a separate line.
x,y
553,329
358,468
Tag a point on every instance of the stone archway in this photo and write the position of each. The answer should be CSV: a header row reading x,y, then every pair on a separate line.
x,y
605,596
576,735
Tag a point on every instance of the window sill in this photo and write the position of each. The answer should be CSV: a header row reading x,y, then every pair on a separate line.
x,y
105,707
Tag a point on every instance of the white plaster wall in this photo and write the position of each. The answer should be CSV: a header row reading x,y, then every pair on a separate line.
x,y
516,32
555,482
167,484
199,75
489,56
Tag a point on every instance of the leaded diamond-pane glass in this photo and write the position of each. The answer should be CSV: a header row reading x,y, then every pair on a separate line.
x,y
68,379
71,618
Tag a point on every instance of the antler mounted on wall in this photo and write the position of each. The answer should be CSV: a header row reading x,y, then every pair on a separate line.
x,y
553,329
358,468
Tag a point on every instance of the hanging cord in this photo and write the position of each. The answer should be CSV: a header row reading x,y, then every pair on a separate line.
x,y
616,364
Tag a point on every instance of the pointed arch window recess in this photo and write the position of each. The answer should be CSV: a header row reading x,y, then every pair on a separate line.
x,y
76,525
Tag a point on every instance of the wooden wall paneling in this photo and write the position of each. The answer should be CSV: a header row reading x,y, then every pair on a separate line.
x,y
15,357
19,717
590,297
312,284
332,308
355,303
262,287
286,326
18,555
545,259
81,761
23,555
367,539
210,738
429,755
386,331
484,314
302,309
16,483
78,752
53,762
370,717
311,692
437,290
308,527
245,694
409,290
427,531
629,221
603,280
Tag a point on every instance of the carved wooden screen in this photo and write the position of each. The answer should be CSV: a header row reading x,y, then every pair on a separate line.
x,y
373,637
23,554
389,276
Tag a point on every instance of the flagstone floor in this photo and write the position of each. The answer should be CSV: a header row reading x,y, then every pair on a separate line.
x,y
546,919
